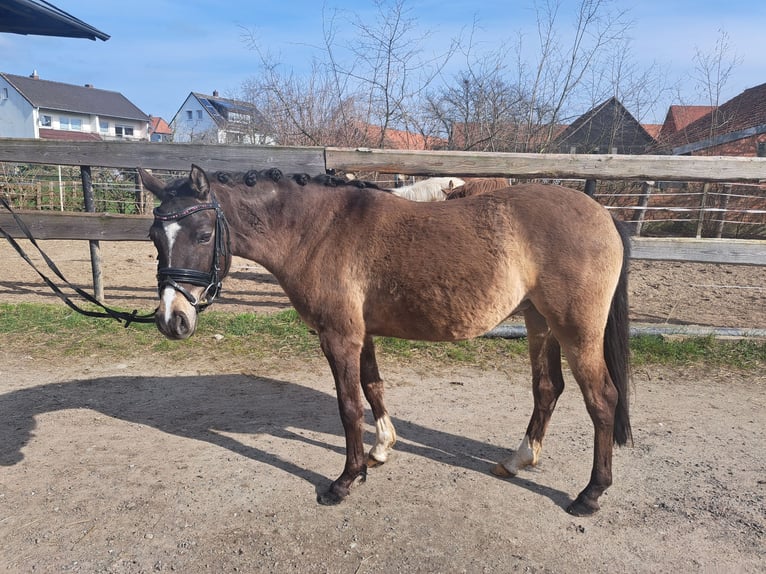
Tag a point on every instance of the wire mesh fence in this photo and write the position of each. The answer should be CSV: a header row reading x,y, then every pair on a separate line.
x,y
677,209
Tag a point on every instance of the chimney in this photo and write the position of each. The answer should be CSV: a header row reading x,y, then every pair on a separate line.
x,y
34,75
88,85
215,93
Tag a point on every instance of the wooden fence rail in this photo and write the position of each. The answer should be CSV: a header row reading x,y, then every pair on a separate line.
x,y
409,162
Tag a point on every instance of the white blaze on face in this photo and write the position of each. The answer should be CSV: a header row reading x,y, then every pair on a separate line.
x,y
171,232
172,228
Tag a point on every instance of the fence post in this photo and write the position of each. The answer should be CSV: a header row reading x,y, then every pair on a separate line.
x,y
643,202
95,246
139,194
590,187
724,205
703,201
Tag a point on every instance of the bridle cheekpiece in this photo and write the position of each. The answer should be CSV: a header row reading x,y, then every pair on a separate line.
x,y
211,280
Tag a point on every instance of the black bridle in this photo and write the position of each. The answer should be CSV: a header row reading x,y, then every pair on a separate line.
x,y
211,280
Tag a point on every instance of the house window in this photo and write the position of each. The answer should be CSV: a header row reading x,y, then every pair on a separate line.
x,y
761,149
123,131
103,126
45,121
4,94
199,114
189,115
70,124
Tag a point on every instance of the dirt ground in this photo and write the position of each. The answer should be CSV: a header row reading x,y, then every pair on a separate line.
x,y
141,465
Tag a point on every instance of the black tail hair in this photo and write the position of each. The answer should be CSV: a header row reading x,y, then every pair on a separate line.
x,y
617,344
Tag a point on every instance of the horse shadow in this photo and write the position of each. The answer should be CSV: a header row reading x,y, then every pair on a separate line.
x,y
203,407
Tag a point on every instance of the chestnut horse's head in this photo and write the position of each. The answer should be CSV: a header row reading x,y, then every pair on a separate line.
x,y
193,253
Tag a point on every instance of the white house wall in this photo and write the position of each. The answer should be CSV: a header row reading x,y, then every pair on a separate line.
x,y
16,113
200,127
140,129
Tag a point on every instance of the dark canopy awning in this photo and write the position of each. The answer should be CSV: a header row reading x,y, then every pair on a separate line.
x,y
43,19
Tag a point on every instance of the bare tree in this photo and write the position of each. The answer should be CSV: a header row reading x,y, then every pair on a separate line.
x,y
377,78
358,88
479,109
300,110
564,59
712,71
498,107
389,65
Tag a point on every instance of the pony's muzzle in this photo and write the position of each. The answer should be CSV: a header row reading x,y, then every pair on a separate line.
x,y
176,318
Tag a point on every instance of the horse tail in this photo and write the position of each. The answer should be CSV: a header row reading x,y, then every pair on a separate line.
x,y
617,344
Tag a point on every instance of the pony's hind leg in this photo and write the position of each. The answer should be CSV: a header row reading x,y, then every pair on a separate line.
x,y
547,386
601,396
372,385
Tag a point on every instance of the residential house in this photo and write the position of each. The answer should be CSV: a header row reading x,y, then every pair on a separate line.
x,y
40,109
213,119
159,130
737,127
608,128
678,117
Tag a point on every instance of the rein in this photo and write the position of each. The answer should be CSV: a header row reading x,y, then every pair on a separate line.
x,y
212,280
108,312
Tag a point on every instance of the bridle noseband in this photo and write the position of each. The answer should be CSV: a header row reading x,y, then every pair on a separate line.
x,y
211,281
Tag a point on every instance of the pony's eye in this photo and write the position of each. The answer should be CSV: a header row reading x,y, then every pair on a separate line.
x,y
204,237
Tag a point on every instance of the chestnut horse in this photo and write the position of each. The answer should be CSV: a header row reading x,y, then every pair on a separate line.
x,y
357,262
478,185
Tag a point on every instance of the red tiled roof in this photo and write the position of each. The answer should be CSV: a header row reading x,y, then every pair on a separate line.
x,y
678,117
400,139
742,112
159,126
396,139
61,135
653,129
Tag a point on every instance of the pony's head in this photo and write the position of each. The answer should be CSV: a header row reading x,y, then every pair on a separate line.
x,y
193,253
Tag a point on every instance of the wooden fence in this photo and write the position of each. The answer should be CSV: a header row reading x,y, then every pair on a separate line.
x,y
97,227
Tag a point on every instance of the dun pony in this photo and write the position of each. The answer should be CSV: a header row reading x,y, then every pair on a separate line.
x,y
357,262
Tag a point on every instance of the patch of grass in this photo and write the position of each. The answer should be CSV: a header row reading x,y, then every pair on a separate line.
x,y
55,329
749,354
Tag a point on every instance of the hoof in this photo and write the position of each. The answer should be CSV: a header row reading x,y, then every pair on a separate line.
x,y
340,488
583,507
330,498
501,471
373,462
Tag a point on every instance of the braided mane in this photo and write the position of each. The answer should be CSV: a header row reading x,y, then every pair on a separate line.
x,y
252,177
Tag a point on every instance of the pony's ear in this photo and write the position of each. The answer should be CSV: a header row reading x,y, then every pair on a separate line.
x,y
199,181
153,184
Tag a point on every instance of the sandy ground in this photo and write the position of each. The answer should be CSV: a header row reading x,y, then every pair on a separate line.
x,y
209,465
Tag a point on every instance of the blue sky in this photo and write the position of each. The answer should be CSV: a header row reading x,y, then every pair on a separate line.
x,y
161,50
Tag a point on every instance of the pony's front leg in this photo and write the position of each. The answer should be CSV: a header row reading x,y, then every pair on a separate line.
x,y
372,385
547,386
344,356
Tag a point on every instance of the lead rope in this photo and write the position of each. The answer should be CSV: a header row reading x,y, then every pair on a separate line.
x,y
127,317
